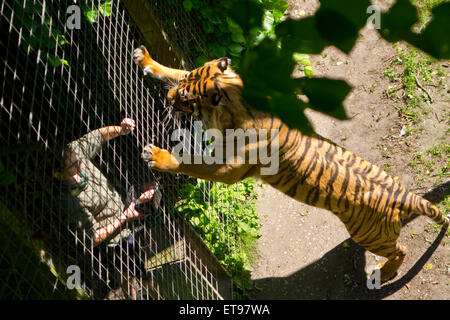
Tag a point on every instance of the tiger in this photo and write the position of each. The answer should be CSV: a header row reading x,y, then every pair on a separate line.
x,y
313,170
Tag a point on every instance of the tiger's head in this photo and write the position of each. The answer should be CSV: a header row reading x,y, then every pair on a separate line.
x,y
212,93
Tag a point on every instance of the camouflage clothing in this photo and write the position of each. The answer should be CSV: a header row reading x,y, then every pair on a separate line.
x,y
93,202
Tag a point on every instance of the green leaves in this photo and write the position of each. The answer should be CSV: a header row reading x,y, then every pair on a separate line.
x,y
92,14
187,5
278,8
201,60
266,67
40,31
190,4
397,25
275,5
266,70
266,47
301,36
326,95
247,14
435,38
44,33
336,29
56,62
335,23
235,49
217,50
105,8
238,37
305,63
231,27
338,22
231,206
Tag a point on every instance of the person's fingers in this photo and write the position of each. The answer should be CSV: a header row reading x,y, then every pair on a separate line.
x,y
147,195
128,122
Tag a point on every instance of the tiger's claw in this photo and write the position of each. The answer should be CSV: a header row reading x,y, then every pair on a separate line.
x,y
142,58
159,159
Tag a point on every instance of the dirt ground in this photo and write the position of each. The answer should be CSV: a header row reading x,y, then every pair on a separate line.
x,y
305,252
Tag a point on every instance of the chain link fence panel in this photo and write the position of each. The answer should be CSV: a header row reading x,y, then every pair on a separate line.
x,y
67,76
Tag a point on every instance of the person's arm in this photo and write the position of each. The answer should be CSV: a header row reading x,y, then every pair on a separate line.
x,y
112,132
103,233
90,144
130,213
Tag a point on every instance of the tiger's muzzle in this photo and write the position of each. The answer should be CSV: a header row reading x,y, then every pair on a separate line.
x,y
180,101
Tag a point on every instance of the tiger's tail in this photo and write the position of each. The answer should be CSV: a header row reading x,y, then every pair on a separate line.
x,y
424,207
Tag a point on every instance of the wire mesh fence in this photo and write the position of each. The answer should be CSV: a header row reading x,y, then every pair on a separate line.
x,y
81,214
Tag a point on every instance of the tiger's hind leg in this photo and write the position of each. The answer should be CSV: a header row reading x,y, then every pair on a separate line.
x,y
395,253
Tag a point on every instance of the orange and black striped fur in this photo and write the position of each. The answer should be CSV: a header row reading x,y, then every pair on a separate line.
x,y
370,203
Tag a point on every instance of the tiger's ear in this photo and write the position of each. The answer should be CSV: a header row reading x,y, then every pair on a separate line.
x,y
223,64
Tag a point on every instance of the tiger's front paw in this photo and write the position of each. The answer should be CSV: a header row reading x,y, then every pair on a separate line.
x,y
142,58
159,159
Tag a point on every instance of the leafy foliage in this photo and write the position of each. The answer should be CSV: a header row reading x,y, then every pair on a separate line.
x,y
414,67
92,12
44,32
266,47
41,33
229,28
398,24
207,218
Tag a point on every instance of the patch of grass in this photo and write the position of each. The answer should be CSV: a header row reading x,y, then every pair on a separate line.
x,y
391,74
446,211
429,165
434,162
446,204
439,148
441,173
412,71
419,156
424,10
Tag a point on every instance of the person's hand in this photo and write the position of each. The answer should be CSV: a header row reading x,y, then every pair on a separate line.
x,y
132,214
127,125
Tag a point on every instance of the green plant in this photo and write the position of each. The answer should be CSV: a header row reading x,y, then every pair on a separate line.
x,y
92,12
413,71
446,204
264,43
40,33
424,10
44,32
335,23
434,162
439,148
416,68
224,35
391,74
230,206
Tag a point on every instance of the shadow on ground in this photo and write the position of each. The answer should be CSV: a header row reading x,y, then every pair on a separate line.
x,y
340,273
